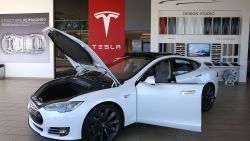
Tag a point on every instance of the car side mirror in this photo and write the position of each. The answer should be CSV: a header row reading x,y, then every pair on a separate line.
x,y
150,80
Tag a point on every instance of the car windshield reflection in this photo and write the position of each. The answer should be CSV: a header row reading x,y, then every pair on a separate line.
x,y
125,68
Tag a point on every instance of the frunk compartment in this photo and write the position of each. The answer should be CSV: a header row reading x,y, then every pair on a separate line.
x,y
63,90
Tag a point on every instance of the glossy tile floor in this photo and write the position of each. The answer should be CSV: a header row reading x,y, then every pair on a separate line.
x,y
229,120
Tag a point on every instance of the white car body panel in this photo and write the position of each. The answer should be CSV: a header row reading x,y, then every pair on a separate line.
x,y
179,106
202,75
162,105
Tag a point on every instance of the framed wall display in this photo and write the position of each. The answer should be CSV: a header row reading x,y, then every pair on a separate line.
x,y
180,25
235,26
226,21
230,53
163,25
189,25
199,26
22,40
208,26
167,48
217,26
172,25
198,50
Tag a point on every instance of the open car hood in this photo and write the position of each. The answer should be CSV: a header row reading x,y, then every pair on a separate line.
x,y
80,55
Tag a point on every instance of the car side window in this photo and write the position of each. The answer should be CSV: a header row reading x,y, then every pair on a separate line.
x,y
161,72
182,66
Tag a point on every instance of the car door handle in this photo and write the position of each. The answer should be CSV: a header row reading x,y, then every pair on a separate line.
x,y
127,95
198,75
188,92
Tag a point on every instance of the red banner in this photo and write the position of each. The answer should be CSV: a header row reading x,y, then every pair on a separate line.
x,y
107,28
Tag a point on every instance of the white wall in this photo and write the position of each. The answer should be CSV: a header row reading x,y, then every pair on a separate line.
x,y
228,8
39,70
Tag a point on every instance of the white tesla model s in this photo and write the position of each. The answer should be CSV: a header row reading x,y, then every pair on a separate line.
x,y
158,89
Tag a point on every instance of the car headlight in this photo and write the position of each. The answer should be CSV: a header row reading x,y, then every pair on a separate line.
x,y
63,107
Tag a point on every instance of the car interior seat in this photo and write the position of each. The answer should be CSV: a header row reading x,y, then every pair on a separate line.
x,y
162,72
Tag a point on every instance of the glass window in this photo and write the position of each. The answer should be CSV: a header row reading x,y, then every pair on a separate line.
x,y
126,67
161,72
182,66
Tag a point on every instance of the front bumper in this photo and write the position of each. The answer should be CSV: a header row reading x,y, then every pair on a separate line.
x,y
72,120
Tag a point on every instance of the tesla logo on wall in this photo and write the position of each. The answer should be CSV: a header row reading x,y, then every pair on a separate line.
x,y
107,28
106,16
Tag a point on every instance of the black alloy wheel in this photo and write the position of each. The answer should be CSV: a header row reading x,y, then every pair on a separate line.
x,y
103,123
208,97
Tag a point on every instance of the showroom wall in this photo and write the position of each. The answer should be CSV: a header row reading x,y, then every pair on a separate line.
x,y
137,18
192,13
138,15
34,70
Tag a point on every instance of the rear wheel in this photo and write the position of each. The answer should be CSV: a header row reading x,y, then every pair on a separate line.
x,y
208,97
103,123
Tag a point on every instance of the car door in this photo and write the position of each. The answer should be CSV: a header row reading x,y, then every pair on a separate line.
x,y
168,104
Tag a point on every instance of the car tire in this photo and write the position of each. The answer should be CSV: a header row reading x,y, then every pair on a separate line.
x,y
103,123
208,97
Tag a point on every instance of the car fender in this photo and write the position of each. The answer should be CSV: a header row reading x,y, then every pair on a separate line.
x,y
123,96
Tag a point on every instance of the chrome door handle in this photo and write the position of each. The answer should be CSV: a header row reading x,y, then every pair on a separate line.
x,y
188,92
126,96
198,75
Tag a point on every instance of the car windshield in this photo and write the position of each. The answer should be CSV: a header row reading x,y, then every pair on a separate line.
x,y
126,67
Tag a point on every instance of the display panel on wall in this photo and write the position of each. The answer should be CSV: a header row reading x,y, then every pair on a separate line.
x,y
22,40
198,50
227,53
200,25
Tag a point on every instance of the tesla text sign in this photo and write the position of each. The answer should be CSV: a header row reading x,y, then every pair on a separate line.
x,y
106,28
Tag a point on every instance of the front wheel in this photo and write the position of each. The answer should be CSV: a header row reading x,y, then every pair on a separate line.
x,y
103,123
208,97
